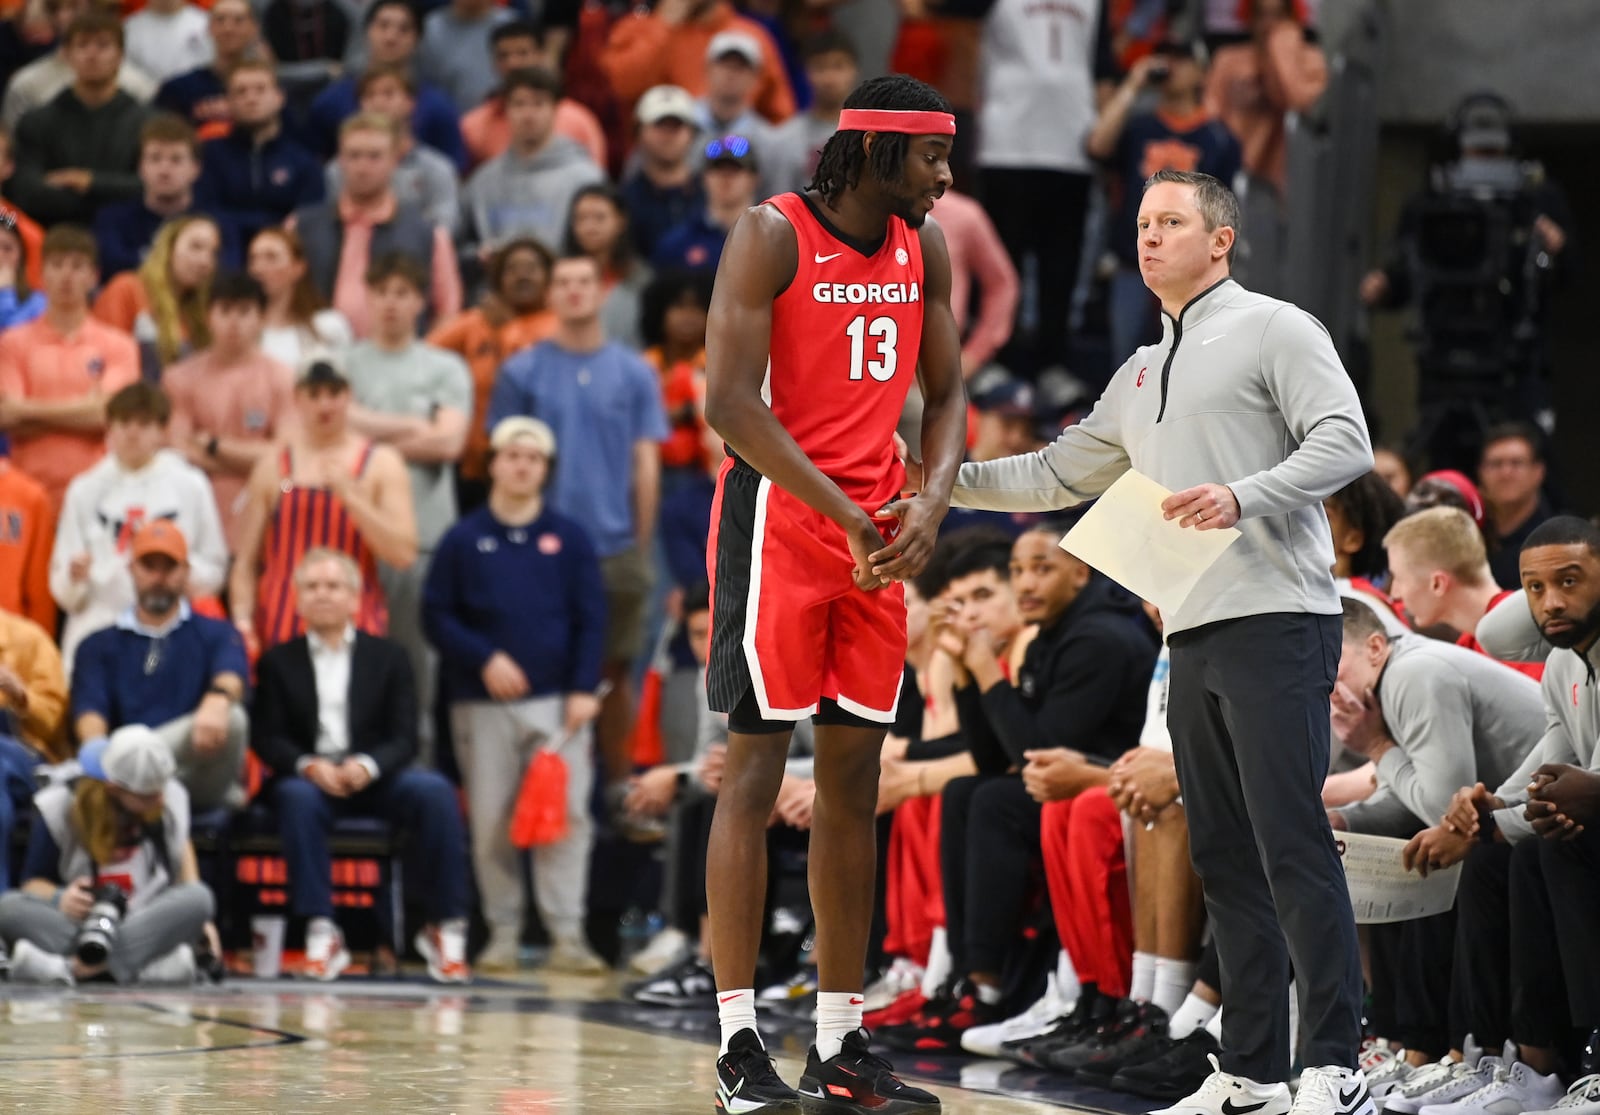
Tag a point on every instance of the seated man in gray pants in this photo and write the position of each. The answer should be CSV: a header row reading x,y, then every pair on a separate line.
x,y
163,666
124,828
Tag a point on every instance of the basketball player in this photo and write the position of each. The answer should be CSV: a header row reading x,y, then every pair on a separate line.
x,y
825,303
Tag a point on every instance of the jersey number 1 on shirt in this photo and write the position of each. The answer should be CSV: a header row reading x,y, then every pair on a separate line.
x,y
886,332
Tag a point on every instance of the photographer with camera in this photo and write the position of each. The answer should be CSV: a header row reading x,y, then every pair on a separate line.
x,y
112,883
1478,253
1135,139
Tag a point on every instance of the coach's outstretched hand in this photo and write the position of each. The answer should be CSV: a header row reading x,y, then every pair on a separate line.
x,y
908,554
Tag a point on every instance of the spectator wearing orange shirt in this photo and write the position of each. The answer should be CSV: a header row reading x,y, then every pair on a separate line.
x,y
487,130
511,317
674,326
32,688
231,402
57,372
667,46
163,304
1253,85
27,531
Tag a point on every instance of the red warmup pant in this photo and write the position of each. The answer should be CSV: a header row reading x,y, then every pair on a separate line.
x,y
913,887
1087,872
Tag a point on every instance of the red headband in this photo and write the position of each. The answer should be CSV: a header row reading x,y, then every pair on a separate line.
x,y
896,120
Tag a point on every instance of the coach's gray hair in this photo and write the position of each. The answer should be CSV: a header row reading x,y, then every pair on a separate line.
x,y
318,555
1218,204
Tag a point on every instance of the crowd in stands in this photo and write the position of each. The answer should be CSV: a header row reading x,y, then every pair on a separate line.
x,y
351,367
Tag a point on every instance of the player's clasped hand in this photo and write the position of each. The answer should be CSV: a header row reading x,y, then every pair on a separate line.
x,y
908,554
1206,507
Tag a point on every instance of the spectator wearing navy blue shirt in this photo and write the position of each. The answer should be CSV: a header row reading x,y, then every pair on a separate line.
x,y
169,164
200,96
392,36
604,404
1177,133
730,177
665,188
165,667
515,604
256,175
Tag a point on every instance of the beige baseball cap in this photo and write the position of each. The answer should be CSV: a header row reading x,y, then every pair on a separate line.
x,y
521,427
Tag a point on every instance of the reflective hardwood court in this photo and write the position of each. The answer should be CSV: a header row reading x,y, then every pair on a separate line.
x,y
360,1047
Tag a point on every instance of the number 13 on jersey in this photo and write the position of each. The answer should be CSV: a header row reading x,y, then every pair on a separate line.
x,y
884,333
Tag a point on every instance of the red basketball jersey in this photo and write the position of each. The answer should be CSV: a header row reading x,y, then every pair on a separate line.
x,y
845,339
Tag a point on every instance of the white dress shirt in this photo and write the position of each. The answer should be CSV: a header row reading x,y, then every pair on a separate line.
x,y
330,666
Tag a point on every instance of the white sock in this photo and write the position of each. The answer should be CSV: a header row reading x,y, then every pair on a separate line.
x,y
1143,984
1067,987
1294,1021
938,969
1173,980
322,930
1193,1015
1214,1027
987,995
838,1015
736,1010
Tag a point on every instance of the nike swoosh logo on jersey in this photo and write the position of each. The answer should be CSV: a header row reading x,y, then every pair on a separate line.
x,y
820,258
1208,340
1231,1108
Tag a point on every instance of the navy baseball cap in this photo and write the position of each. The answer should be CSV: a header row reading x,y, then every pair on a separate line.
x,y
1011,397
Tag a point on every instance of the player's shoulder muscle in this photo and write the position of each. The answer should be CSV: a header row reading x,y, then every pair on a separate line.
x,y
761,256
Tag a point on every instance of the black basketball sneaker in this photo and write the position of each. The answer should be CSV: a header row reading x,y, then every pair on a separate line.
x,y
856,1080
747,1083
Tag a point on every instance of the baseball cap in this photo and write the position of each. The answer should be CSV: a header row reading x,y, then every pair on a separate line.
x,y
731,149
162,537
1483,124
322,369
724,43
1010,397
132,757
521,427
1461,484
665,102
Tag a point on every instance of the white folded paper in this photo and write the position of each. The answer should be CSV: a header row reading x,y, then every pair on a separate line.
x,y
1125,536
1382,890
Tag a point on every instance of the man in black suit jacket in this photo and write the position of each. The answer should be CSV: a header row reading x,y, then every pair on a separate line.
x,y
335,719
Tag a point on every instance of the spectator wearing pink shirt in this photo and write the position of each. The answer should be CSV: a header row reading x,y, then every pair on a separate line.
x,y
977,253
487,130
366,221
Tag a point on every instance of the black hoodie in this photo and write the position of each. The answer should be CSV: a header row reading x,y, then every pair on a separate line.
x,y
1083,684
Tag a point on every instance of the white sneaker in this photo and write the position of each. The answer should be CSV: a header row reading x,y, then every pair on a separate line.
x,y
662,949
1387,1073
326,955
985,1041
500,954
32,964
1226,1094
791,990
574,957
1330,1090
176,969
1515,1089
1583,1098
902,976
1457,1080
444,947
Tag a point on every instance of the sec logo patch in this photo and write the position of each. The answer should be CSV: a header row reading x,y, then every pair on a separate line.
x,y
901,257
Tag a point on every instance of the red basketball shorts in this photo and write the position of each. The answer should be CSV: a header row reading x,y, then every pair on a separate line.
x,y
787,620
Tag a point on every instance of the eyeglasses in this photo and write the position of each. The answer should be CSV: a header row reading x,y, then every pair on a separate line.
x,y
728,147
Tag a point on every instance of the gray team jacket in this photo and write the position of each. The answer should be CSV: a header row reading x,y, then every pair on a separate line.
x,y
1457,717
1572,727
1242,390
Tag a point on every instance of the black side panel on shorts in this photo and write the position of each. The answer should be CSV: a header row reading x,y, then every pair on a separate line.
x,y
727,672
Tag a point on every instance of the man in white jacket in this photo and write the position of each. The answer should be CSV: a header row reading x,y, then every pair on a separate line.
x,y
137,482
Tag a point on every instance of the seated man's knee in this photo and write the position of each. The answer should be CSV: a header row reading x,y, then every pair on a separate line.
x,y
297,796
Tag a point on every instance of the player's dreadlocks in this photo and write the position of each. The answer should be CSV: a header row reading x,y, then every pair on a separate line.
x,y
839,167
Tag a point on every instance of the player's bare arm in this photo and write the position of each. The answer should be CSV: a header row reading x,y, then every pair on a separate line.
x,y
944,420
757,264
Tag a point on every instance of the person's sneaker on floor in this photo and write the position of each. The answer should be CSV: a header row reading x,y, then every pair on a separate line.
x,y
32,964
1087,1014
1172,1073
1516,1088
176,969
1331,1090
444,947
856,1080
326,955
748,1083
985,1041
1138,1031
688,984
1222,1093
662,950
1458,1080
902,1010
939,1030
1386,1068
789,991
901,976
501,954
573,956
1583,1098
